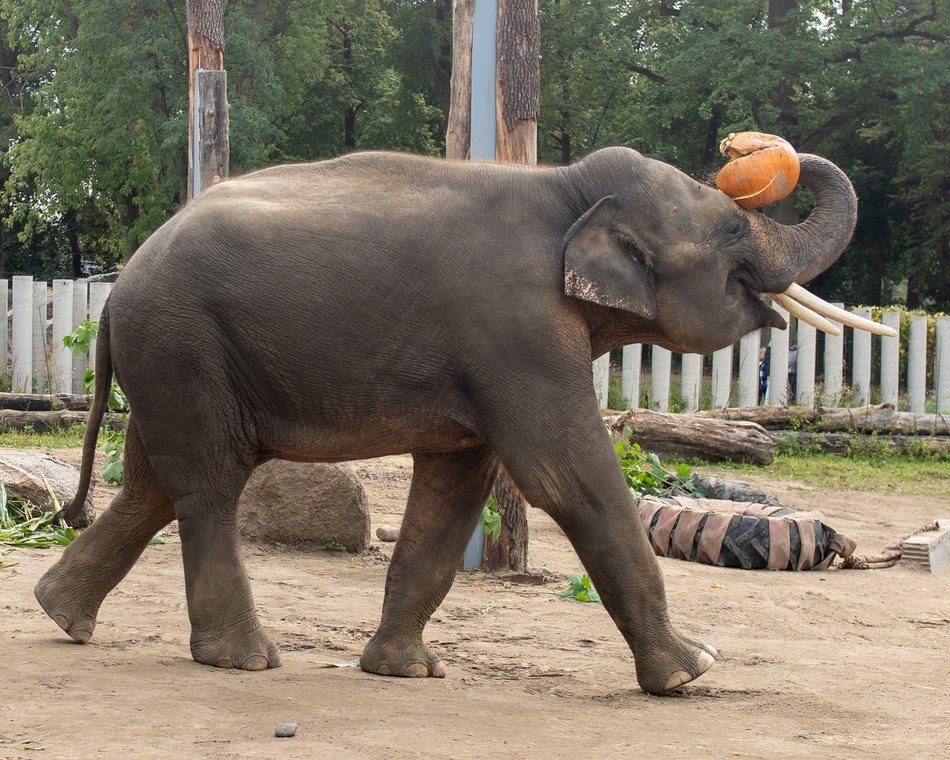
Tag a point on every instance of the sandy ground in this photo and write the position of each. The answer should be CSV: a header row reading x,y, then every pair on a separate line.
x,y
842,663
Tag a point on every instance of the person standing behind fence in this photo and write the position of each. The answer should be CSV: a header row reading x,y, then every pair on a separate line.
x,y
764,354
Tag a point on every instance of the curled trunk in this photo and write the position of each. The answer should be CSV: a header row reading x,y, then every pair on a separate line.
x,y
798,253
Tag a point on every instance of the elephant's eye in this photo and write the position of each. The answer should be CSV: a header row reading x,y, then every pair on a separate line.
x,y
735,228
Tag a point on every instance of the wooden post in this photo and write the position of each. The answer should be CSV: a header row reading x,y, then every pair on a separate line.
x,y
691,381
890,360
834,366
4,326
917,365
805,366
749,368
80,315
722,377
601,378
41,363
861,362
495,101
62,357
21,350
630,374
208,152
660,379
778,363
942,365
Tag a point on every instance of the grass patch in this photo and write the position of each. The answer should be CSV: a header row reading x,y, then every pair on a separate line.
x,y
69,438
912,476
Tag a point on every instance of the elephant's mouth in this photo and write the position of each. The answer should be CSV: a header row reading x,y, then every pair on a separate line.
x,y
768,316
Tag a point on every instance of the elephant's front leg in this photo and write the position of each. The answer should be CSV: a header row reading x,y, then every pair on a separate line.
x,y
571,471
445,501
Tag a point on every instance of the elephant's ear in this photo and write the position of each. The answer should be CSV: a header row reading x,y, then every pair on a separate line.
x,y
600,267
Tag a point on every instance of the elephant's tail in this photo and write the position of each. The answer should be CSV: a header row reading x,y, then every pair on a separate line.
x,y
72,509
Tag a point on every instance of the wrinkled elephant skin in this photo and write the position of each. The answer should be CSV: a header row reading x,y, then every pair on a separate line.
x,y
380,304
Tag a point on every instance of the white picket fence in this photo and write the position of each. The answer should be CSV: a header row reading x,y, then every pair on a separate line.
x,y
734,371
38,317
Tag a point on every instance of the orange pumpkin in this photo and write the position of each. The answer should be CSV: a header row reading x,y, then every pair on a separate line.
x,y
764,169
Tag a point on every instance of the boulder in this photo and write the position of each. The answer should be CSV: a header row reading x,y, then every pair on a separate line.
x,y
31,476
294,502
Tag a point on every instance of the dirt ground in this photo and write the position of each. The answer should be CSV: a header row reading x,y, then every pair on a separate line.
x,y
842,663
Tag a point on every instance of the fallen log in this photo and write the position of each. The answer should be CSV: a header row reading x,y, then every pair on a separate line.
x,y
45,402
45,422
690,436
850,443
881,418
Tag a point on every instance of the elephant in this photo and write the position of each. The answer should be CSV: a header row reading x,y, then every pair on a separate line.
x,y
381,303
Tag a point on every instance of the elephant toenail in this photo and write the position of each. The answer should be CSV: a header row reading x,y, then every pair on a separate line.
x,y
225,663
417,670
384,670
255,662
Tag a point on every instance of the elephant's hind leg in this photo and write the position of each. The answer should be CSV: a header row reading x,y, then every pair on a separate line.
x,y
445,501
91,566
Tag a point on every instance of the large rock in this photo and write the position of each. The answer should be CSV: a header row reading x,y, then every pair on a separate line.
x,y
32,475
296,502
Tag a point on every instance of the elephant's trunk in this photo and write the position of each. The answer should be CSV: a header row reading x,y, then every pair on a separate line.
x,y
798,253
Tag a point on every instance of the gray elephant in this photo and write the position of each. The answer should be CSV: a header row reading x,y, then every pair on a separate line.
x,y
380,304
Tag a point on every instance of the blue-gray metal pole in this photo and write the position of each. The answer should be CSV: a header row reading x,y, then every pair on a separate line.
x,y
484,98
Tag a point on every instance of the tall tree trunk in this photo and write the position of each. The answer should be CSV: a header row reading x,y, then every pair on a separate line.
x,y
458,133
443,63
205,51
349,115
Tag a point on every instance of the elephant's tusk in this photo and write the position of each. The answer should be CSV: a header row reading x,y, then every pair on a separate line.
x,y
804,313
804,298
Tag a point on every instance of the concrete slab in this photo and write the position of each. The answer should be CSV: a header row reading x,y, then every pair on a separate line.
x,y
929,550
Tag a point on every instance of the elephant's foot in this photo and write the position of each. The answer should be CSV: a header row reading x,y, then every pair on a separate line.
x,y
72,610
244,650
660,670
393,656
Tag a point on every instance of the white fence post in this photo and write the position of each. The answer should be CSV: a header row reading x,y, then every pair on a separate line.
x,y
61,371
833,366
749,368
778,363
691,381
722,377
41,358
891,360
917,365
22,348
942,365
5,323
660,379
630,374
805,365
80,315
601,370
98,295
861,362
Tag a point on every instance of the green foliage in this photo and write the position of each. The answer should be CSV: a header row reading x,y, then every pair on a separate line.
x,y
491,519
581,589
113,471
24,525
93,119
646,475
615,397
